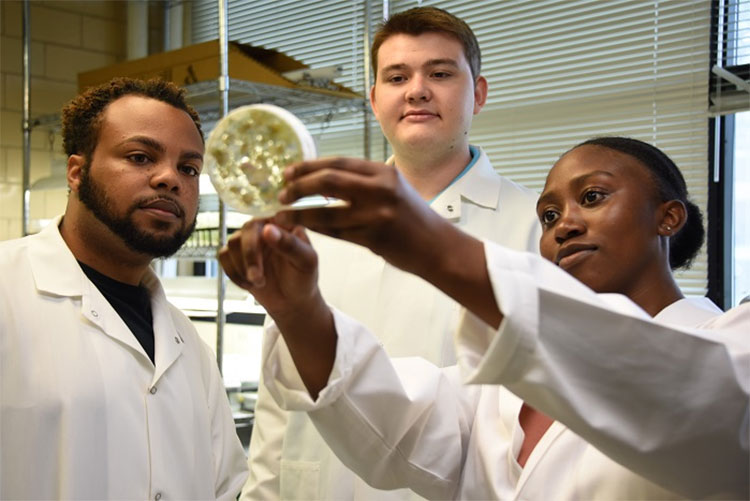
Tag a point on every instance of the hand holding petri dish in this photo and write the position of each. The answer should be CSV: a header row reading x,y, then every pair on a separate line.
x,y
247,152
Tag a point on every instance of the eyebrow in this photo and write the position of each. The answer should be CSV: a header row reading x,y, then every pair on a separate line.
x,y
146,141
544,197
159,147
445,60
427,64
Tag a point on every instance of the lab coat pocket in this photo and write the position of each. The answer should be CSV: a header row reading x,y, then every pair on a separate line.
x,y
299,480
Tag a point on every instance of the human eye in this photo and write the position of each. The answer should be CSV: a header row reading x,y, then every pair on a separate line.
x,y
548,217
395,79
592,196
441,74
190,170
138,158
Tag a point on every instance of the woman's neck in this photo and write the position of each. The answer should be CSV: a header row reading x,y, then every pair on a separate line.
x,y
656,294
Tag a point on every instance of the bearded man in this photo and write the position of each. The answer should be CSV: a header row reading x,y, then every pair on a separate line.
x,y
107,392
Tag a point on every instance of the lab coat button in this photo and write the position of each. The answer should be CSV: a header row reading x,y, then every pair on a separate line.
x,y
450,208
95,314
158,496
152,390
177,340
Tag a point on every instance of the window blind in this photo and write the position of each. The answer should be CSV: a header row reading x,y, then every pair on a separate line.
x,y
318,33
730,73
559,72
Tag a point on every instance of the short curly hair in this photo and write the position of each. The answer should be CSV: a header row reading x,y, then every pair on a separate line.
x,y
81,117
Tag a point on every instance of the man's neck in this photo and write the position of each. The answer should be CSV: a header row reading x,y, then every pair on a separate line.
x,y
111,260
431,174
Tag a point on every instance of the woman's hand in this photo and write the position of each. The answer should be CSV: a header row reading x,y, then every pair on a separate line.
x,y
382,211
385,214
279,267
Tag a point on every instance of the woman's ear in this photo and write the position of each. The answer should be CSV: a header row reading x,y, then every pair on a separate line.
x,y
673,217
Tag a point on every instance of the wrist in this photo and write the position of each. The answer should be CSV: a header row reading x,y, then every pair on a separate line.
x,y
310,336
296,318
444,253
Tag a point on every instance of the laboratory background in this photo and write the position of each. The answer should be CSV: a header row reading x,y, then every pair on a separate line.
x,y
674,73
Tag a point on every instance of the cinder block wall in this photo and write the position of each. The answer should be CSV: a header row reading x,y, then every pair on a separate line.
x,y
67,37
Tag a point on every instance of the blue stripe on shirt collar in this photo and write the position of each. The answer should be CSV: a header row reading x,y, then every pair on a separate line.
x,y
474,152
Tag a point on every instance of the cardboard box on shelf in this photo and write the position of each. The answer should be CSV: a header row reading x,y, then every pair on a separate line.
x,y
200,63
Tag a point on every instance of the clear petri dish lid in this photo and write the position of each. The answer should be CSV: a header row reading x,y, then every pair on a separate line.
x,y
247,152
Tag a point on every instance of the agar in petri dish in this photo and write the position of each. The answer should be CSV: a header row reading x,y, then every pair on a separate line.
x,y
247,152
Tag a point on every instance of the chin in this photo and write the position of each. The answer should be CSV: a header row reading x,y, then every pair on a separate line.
x,y
586,277
423,141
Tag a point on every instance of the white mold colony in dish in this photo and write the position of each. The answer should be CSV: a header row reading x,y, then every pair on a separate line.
x,y
247,152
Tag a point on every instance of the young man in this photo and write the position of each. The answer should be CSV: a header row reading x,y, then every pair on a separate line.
x,y
427,88
107,390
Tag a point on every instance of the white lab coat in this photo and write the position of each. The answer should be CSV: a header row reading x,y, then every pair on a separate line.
x,y
288,457
84,414
653,410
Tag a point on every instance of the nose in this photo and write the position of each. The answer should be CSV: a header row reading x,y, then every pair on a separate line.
x,y
417,89
165,176
571,224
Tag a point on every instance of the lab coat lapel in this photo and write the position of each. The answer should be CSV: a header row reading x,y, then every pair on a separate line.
x,y
98,311
541,449
480,186
56,272
168,341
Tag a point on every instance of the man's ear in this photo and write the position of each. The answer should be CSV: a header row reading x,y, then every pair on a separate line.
x,y
480,93
372,102
673,217
75,171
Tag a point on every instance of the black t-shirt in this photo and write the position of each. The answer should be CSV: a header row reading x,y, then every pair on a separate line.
x,y
131,302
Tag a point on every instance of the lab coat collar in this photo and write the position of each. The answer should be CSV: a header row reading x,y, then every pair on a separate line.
x,y
480,185
53,266
688,310
57,272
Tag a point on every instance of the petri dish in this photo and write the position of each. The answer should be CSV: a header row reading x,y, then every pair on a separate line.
x,y
247,152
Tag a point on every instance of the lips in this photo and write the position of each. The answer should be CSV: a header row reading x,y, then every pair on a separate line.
x,y
419,113
163,205
570,254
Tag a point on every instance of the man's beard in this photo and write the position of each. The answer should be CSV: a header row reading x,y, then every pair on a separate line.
x,y
93,196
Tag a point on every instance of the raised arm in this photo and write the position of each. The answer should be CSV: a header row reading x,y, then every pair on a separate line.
x,y
386,215
426,406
